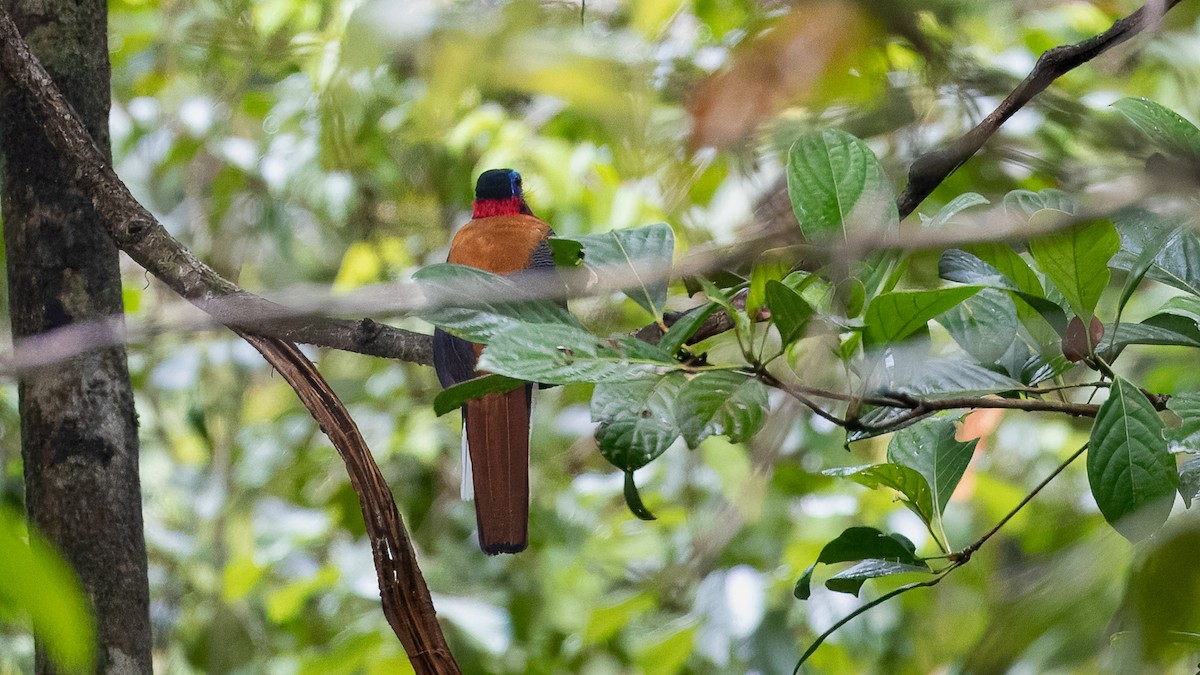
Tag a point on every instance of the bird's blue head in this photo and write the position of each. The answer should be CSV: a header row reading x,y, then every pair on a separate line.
x,y
498,193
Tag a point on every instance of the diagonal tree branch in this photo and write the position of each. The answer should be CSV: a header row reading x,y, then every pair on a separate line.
x,y
930,169
403,592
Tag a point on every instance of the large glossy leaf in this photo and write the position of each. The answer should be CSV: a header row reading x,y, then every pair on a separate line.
x,y
1165,128
851,580
478,305
1142,334
636,419
929,448
999,267
721,403
984,325
556,354
891,317
940,378
1177,261
835,182
1131,472
906,481
862,543
636,260
36,582
789,312
1185,437
1076,260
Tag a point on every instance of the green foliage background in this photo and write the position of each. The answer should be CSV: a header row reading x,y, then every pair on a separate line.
x,y
299,145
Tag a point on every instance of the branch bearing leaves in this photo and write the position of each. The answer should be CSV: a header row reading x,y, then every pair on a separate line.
x,y
879,420
930,448
636,418
789,312
908,482
1164,127
1177,262
891,317
953,208
851,580
1185,437
639,257
554,354
835,182
478,305
1076,260
1131,472
863,543
453,397
721,402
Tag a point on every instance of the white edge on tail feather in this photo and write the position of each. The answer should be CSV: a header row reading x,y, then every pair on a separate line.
x,y
466,488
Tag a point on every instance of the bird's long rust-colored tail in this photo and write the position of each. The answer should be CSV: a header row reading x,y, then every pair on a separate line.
x,y
497,431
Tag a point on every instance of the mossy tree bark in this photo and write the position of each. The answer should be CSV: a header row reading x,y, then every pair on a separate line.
x,y
79,430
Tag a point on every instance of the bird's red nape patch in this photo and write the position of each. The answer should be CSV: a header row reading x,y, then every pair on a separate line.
x,y
486,208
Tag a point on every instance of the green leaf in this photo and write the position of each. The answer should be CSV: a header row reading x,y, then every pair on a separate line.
x,y
860,543
1026,203
1142,334
789,312
902,479
741,322
452,398
685,327
634,501
1076,260
636,419
851,580
940,378
984,325
721,402
1144,261
968,267
1177,262
803,588
36,582
638,258
566,252
1131,473
554,354
771,268
1189,481
1164,127
929,448
891,317
835,182
478,305
1185,437
954,207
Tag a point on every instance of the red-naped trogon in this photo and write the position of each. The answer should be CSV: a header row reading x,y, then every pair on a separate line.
x,y
503,237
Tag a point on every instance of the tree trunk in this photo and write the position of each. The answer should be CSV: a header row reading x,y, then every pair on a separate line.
x,y
78,426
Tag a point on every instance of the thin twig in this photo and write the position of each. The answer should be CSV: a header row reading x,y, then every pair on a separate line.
x,y
956,560
930,169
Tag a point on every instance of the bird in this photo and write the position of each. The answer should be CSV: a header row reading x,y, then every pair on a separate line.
x,y
503,237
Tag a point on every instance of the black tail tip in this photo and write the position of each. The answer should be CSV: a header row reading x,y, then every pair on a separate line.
x,y
496,548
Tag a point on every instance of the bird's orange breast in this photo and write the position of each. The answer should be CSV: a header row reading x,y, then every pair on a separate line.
x,y
498,244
